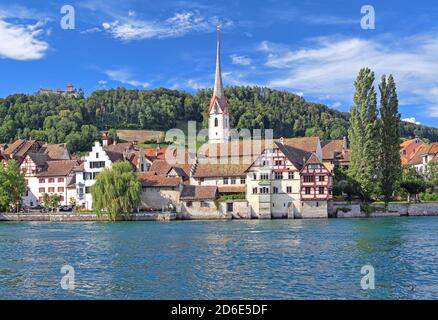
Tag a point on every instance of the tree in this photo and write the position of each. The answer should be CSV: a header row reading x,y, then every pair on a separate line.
x,y
364,135
116,191
12,185
390,164
412,182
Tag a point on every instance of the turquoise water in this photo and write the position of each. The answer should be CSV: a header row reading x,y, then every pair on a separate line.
x,y
282,259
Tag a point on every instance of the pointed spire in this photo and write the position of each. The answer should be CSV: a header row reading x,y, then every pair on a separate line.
x,y
218,85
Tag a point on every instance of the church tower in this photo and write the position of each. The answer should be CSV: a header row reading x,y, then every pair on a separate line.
x,y
218,117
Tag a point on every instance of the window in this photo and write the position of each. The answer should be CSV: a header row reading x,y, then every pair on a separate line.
x,y
97,164
204,204
216,123
60,179
87,190
290,175
309,178
52,189
189,204
289,189
321,178
254,176
254,190
278,175
94,175
264,176
242,180
275,190
278,162
321,190
42,190
307,190
233,180
97,155
60,189
51,180
264,190
42,180
230,206
404,152
225,180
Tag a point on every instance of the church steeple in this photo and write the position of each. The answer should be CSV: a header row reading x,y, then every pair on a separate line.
x,y
218,130
218,89
218,85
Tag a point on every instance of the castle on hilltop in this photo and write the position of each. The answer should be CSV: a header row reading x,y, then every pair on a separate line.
x,y
69,92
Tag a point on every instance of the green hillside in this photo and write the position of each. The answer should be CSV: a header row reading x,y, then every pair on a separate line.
x,y
78,121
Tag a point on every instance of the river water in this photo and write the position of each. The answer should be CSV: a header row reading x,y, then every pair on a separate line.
x,y
277,259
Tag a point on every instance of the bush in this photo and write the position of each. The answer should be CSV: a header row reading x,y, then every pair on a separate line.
x,y
429,197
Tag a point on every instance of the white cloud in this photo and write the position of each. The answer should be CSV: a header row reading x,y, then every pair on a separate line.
x,y
125,77
102,82
91,30
411,120
196,84
240,60
329,66
177,25
22,42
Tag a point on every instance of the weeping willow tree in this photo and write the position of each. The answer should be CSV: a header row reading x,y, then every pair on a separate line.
x,y
116,191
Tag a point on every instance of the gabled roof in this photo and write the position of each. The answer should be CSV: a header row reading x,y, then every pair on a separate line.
x,y
309,144
190,192
161,167
119,147
231,189
295,155
205,170
330,148
56,151
313,160
417,158
40,159
114,156
57,168
151,180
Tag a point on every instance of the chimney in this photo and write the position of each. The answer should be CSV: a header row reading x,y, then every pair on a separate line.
x,y
282,140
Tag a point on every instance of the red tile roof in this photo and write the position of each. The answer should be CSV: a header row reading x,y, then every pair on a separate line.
x,y
231,189
204,170
150,180
190,192
57,168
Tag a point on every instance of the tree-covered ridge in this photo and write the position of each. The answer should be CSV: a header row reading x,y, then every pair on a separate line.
x,y
78,121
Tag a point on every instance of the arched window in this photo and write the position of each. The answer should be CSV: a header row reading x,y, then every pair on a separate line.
x,y
216,122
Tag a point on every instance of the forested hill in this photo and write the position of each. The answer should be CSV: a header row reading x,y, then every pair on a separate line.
x,y
78,121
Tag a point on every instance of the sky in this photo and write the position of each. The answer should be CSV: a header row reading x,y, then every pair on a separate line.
x,y
311,48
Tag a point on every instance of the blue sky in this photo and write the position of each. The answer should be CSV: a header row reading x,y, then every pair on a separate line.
x,y
313,48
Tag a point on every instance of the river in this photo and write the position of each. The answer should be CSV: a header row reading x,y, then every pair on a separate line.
x,y
272,259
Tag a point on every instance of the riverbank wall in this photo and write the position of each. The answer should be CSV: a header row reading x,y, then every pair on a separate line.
x,y
82,217
335,210
353,210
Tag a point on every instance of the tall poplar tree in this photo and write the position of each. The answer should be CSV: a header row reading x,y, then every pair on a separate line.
x,y
364,135
390,164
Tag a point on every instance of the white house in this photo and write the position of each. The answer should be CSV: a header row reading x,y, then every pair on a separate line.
x,y
94,163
